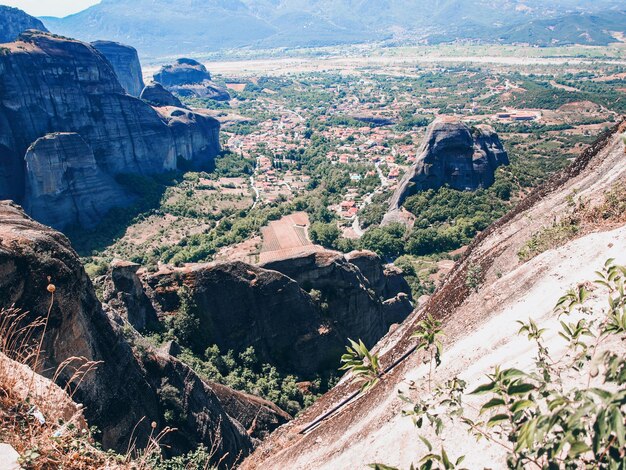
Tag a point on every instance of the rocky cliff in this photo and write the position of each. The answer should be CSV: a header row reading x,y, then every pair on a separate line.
x,y
13,22
65,186
155,95
297,313
125,62
131,386
50,84
452,154
188,77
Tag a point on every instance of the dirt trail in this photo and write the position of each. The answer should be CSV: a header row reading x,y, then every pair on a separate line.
x,y
480,330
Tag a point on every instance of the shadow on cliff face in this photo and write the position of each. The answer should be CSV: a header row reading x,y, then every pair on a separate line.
x,y
148,191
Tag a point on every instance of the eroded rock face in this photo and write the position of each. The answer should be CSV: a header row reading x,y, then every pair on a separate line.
x,y
155,95
195,137
51,84
14,22
241,305
187,77
125,62
205,89
354,304
125,392
297,312
453,154
65,186
182,72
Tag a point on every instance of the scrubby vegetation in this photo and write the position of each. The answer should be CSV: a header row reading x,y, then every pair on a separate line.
x,y
539,417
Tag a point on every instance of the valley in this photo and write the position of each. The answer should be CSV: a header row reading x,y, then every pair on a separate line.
x,y
267,234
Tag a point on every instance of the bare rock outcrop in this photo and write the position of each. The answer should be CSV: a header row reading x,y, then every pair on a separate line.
x,y
182,72
52,84
14,22
126,65
353,303
155,95
296,312
241,305
65,186
452,154
188,77
195,137
125,392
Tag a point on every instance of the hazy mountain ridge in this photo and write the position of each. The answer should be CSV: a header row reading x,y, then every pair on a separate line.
x,y
161,27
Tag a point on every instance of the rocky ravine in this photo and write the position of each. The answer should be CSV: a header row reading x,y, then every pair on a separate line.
x,y
480,332
124,392
451,154
14,22
50,85
240,305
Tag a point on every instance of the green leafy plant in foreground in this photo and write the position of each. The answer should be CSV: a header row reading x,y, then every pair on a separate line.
x,y
429,333
537,415
364,365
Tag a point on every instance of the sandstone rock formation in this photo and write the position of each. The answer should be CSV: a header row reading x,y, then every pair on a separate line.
x,y
125,62
124,394
296,312
242,305
452,154
188,77
195,137
52,84
14,21
155,95
65,186
354,303
182,72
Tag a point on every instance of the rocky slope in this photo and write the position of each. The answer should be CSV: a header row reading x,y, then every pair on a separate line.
x,y
188,77
452,154
13,22
126,392
274,308
126,65
480,332
51,84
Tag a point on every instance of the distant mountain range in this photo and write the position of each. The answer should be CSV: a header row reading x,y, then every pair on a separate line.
x,y
166,27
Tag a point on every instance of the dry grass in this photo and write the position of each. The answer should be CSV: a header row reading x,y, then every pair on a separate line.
x,y
584,219
38,418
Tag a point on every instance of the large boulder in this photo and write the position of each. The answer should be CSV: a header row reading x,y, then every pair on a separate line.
x,y
126,391
14,22
125,62
188,77
452,154
51,84
65,186
182,72
155,95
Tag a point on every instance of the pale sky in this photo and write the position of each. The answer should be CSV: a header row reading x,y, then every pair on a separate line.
x,y
50,7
